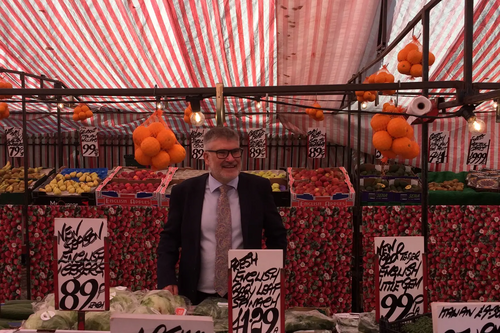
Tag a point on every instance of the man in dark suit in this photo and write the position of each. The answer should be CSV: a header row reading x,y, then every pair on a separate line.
x,y
198,208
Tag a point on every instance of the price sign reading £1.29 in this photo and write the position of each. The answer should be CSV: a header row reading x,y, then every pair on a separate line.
x,y
88,139
316,142
82,265
479,148
197,146
15,144
256,299
257,147
466,317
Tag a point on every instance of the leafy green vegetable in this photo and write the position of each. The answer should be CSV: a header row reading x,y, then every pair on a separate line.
x,y
421,325
209,307
97,321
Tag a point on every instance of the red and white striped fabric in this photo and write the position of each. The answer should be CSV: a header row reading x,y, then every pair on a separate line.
x,y
140,44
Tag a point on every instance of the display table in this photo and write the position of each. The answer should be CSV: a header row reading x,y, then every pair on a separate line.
x,y
464,254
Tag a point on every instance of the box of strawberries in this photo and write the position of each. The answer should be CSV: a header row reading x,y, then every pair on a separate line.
x,y
322,187
131,187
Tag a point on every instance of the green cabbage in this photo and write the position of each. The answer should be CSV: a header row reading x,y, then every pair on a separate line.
x,y
160,300
63,320
97,321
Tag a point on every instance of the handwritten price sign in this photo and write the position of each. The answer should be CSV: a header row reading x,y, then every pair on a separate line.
x,y
438,147
81,264
316,142
255,300
15,144
88,140
149,323
479,148
197,147
400,277
470,317
257,143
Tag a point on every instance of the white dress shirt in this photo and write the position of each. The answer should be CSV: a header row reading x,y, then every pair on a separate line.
x,y
209,225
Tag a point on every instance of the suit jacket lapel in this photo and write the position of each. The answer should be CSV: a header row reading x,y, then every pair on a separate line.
x,y
195,201
245,207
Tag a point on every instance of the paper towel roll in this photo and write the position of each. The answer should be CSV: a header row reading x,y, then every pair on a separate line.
x,y
419,106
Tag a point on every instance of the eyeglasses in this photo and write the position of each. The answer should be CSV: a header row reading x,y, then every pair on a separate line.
x,y
224,153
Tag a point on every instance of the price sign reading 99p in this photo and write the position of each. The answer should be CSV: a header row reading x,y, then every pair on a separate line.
x,y
399,277
88,139
82,265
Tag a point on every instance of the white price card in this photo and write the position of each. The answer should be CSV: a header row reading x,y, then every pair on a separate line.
x,y
82,266
88,140
257,143
152,323
15,143
399,277
316,142
479,148
466,317
256,300
439,143
197,146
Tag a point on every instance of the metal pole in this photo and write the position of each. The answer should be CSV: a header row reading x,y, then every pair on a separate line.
x,y
60,160
468,44
27,193
425,131
358,215
219,104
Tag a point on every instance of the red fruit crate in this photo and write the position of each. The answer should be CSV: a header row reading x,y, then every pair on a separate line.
x,y
323,187
129,192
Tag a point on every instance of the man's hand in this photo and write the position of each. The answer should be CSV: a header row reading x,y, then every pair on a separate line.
x,y
173,289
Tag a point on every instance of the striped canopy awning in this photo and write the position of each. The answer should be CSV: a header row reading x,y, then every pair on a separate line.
x,y
192,43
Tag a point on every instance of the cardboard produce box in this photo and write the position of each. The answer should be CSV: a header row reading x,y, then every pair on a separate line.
x,y
310,187
130,192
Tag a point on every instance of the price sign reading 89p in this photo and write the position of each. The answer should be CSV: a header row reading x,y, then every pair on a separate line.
x,y
82,265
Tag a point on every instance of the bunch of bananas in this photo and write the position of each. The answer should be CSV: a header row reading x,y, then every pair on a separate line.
x,y
64,183
12,179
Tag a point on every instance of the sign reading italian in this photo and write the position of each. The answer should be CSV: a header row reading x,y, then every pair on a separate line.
x,y
257,143
88,140
469,317
151,323
316,142
15,144
197,146
479,148
256,302
81,266
399,277
438,147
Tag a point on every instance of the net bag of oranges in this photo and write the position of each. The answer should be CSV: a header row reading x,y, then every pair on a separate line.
x,y
392,135
315,112
156,144
410,59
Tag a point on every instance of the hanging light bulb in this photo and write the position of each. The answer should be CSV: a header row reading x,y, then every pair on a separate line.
x,y
60,105
197,118
258,104
476,126
494,103
364,105
159,105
